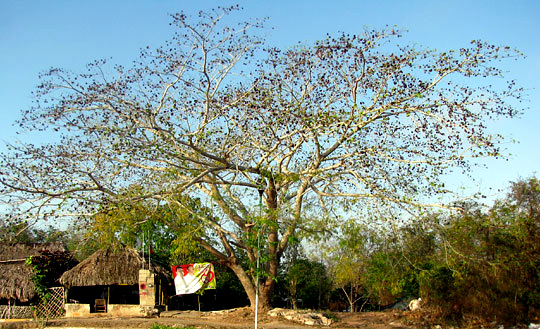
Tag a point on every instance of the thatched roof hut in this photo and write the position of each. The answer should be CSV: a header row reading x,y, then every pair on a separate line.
x,y
107,267
15,275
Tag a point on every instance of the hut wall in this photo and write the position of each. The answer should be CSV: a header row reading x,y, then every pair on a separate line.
x,y
15,312
147,288
83,310
125,310
77,310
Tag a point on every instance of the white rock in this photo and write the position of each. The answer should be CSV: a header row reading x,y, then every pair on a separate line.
x,y
302,316
415,304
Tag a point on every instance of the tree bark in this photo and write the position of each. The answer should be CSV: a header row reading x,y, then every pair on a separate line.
x,y
265,290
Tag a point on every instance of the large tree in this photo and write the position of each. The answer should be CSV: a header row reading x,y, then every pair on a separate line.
x,y
214,116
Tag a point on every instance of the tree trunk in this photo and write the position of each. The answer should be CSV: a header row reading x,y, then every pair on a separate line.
x,y
351,299
265,298
249,288
274,255
292,291
269,230
265,289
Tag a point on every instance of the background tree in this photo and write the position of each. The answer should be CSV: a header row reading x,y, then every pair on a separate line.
x,y
348,259
491,256
480,263
23,231
212,116
303,284
13,231
170,231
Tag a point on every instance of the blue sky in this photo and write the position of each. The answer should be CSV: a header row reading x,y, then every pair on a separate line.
x,y
36,35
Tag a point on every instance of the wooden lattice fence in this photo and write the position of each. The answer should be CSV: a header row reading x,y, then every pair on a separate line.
x,y
54,307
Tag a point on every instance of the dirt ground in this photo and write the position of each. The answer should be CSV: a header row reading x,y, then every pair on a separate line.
x,y
238,318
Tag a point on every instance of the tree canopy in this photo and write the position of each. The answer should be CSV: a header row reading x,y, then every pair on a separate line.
x,y
215,115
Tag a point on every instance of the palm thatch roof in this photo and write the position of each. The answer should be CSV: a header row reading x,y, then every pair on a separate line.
x,y
108,267
15,275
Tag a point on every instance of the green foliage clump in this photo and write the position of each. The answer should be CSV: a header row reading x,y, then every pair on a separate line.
x,y
478,263
303,283
495,258
172,231
308,282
